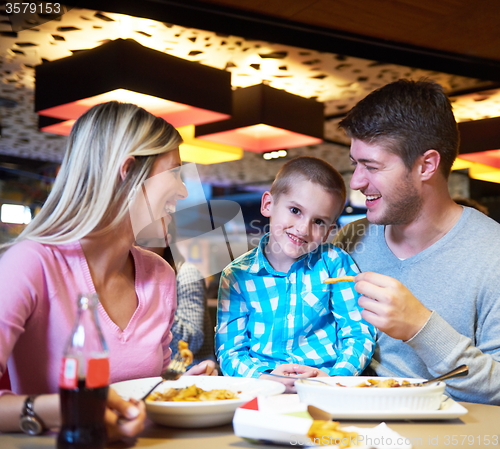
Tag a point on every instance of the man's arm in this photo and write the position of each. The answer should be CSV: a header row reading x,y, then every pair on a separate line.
x,y
190,313
438,345
393,309
442,348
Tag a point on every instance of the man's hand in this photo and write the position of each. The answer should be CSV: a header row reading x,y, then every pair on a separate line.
x,y
390,306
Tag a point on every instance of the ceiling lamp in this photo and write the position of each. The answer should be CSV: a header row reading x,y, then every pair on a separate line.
x,y
479,153
204,152
265,119
490,157
54,125
489,172
180,91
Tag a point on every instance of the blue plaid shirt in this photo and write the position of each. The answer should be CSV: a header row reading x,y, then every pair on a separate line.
x,y
266,318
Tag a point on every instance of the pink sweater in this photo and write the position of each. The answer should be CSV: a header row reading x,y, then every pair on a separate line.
x,y
38,291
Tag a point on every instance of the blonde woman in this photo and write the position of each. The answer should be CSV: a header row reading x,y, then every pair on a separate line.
x,y
82,240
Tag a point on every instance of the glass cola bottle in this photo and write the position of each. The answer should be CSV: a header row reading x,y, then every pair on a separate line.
x,y
84,381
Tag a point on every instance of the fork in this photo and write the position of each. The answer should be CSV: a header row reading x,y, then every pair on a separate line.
x,y
461,371
298,378
175,369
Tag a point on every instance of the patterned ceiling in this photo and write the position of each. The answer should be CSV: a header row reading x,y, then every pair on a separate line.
x,y
337,80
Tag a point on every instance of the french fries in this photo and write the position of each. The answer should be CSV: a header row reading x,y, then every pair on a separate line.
x,y
339,279
185,353
326,433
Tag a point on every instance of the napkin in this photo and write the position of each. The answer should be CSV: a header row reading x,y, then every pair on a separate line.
x,y
283,419
379,437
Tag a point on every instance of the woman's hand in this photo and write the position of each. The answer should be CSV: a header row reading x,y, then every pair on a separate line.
x,y
205,368
123,418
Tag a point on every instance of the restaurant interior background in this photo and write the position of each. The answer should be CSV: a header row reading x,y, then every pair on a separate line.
x,y
328,51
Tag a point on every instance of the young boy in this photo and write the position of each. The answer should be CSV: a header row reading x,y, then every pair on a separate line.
x,y
275,314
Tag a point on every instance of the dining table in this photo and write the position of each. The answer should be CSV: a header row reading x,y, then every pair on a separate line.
x,y
479,427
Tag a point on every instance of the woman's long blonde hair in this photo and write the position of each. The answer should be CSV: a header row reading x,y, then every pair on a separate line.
x,y
89,194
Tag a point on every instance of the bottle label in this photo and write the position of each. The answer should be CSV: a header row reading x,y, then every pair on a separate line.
x,y
97,373
68,377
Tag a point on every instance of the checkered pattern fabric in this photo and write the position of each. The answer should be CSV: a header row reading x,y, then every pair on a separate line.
x,y
192,322
266,318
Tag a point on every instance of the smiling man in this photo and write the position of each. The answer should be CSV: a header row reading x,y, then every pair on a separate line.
x,y
430,267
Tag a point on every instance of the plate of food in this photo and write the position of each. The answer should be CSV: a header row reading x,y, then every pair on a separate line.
x,y
196,401
354,393
448,409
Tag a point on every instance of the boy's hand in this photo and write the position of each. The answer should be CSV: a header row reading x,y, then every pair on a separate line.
x,y
302,371
296,372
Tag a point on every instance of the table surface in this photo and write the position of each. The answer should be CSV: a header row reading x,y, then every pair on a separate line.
x,y
479,427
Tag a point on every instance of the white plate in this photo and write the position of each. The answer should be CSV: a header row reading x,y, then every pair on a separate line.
x,y
342,396
198,414
449,410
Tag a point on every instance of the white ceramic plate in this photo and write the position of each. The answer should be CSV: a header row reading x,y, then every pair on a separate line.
x,y
342,395
449,410
198,414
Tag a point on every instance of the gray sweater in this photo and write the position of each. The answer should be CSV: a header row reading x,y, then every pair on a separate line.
x,y
458,278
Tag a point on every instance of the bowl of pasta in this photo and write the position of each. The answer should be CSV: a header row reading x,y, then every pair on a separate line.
x,y
370,394
196,401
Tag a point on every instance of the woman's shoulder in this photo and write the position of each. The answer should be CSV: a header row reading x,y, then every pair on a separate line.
x,y
27,249
31,258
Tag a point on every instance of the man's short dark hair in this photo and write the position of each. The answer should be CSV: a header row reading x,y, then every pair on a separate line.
x,y
409,118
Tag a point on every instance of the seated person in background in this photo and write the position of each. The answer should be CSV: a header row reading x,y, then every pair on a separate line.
x,y
192,321
469,202
275,314
82,240
430,280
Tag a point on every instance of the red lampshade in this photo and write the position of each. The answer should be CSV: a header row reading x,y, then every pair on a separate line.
x,y
479,149
54,125
490,157
265,119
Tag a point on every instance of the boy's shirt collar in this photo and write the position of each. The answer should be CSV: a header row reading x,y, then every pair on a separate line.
x,y
261,262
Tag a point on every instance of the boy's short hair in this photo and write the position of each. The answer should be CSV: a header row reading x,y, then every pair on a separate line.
x,y
410,118
310,169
